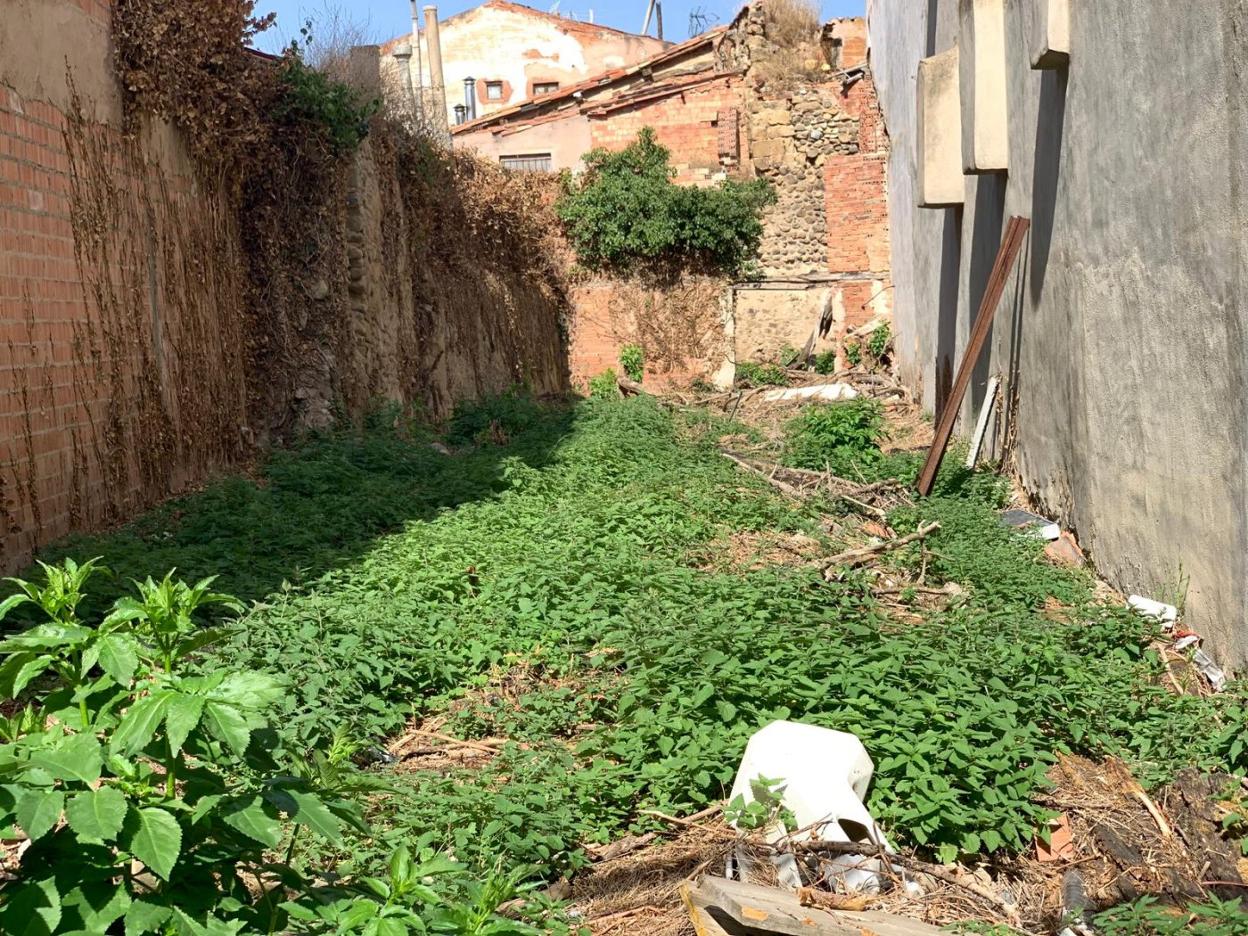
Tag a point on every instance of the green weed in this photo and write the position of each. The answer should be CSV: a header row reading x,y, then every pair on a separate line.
x,y
575,548
633,360
605,386
752,374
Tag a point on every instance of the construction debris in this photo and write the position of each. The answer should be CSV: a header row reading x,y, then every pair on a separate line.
x,y
718,907
824,393
822,779
981,427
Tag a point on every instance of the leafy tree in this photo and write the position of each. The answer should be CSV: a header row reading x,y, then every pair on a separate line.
x,y
626,213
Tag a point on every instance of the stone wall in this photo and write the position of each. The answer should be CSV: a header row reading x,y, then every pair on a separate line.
x,y
143,349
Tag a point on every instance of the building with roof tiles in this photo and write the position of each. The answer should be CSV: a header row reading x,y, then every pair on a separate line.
x,y
500,53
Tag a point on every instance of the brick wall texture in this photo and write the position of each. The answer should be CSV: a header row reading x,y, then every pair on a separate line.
x,y
136,360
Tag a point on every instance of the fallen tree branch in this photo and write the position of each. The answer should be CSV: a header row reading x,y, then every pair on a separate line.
x,y
854,557
483,746
781,486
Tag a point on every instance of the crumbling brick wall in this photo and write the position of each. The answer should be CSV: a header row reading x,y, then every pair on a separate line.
x,y
815,131
700,124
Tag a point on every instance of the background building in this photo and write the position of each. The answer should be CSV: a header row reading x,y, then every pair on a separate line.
x,y
513,52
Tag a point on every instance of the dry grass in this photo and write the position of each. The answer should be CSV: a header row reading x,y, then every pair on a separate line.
x,y
792,24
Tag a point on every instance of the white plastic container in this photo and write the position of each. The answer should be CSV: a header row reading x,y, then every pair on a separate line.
x,y
824,777
1166,614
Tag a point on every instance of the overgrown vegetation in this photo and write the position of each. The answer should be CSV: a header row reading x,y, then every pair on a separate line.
x,y
566,555
633,360
625,214
764,374
843,438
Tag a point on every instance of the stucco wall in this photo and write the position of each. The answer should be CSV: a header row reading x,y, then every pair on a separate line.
x,y
1121,333
520,46
566,139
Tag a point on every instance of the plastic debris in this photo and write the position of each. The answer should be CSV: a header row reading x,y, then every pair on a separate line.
x,y
1029,522
829,393
1212,672
821,777
1164,613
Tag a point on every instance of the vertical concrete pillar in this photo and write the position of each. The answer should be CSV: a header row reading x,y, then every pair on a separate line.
x,y
437,87
1048,33
985,117
939,137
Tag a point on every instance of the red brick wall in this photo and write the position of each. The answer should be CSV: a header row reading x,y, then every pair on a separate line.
x,y
687,123
121,354
856,193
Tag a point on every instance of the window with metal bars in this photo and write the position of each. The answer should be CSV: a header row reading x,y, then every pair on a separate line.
x,y
531,162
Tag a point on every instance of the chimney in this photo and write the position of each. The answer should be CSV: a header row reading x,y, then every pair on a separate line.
x,y
436,86
419,78
461,113
470,98
403,55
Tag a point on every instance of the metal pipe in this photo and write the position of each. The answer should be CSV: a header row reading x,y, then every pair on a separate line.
x,y
470,97
420,78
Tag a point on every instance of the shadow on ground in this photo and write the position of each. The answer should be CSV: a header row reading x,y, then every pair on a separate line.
x,y
321,505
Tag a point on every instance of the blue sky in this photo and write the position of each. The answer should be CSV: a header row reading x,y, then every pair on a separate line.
x,y
385,19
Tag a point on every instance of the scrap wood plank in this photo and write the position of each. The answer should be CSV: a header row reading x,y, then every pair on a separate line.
x,y
1011,245
738,907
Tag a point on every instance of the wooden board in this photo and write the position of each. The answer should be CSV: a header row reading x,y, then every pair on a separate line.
x,y
1011,245
719,907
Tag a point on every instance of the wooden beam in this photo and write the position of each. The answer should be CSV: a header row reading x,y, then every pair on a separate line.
x,y
1011,245
753,908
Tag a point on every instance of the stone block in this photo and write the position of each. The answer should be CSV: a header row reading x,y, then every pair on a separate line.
x,y
985,120
939,158
1048,33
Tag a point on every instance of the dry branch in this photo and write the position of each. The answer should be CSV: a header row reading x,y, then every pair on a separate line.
x,y
863,554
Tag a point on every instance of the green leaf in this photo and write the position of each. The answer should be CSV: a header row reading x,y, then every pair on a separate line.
x,y
313,813
145,917
183,715
227,724
155,838
38,811
138,726
76,757
727,711
250,691
97,814
10,603
118,657
95,906
31,909
19,669
255,818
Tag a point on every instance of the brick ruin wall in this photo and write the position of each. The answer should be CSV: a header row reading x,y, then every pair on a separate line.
x,y
825,249
135,359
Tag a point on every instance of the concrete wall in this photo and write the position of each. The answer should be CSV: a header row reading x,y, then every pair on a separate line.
x,y
520,46
1122,330
566,139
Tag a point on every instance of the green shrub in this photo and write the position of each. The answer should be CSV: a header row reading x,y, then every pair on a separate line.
x,y
633,360
853,353
164,776
825,363
879,342
494,418
605,386
839,436
751,374
312,98
626,213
